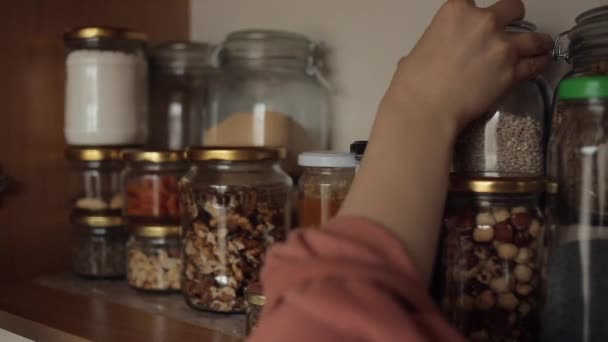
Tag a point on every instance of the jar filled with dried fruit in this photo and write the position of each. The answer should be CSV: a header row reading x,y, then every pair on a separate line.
x,y
492,257
154,258
255,304
324,184
98,248
94,183
150,183
236,204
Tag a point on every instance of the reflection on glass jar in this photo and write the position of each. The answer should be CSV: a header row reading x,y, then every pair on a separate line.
x,y
236,204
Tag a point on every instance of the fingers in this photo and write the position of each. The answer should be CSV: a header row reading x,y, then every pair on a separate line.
x,y
528,68
531,44
508,11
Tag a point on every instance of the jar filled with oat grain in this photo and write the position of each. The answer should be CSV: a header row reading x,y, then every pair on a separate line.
x,y
236,203
154,258
491,259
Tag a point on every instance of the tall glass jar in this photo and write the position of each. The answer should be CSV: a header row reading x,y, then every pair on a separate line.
x,y
323,186
491,257
150,183
270,93
576,299
106,86
236,204
179,79
94,183
154,258
512,138
98,246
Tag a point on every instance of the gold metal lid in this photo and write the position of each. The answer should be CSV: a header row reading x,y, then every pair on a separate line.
x,y
155,231
153,156
93,32
254,295
235,153
93,153
99,221
490,184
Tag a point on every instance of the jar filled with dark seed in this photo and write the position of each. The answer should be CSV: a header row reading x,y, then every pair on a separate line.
x,y
491,257
255,303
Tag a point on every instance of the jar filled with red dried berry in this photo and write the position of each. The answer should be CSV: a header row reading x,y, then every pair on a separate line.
x,y
492,250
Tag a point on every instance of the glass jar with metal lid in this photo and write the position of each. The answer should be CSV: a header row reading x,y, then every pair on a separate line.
x,y
511,139
236,203
150,183
255,303
154,258
98,246
180,73
94,182
270,92
492,248
106,86
323,186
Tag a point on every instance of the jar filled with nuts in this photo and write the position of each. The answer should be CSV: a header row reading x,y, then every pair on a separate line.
x,y
255,303
150,186
94,184
492,257
236,204
98,248
154,258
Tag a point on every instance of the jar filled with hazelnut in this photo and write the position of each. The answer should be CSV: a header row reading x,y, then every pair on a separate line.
x,y
491,257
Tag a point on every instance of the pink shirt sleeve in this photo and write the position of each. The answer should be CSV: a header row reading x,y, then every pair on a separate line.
x,y
350,281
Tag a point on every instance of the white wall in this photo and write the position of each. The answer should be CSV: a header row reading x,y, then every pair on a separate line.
x,y
367,37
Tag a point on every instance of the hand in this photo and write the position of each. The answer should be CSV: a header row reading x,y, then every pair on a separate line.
x,y
466,60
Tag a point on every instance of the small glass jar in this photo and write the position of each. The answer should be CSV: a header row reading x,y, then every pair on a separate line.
x,y
511,139
98,247
236,204
492,257
179,80
154,258
106,86
94,183
323,186
255,304
150,183
270,92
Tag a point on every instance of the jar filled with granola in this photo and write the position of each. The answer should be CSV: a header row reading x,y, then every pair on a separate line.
x,y
492,249
150,186
236,204
325,181
255,303
98,248
154,258
94,182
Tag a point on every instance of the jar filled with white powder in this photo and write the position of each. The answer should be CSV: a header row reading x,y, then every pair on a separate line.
x,y
106,87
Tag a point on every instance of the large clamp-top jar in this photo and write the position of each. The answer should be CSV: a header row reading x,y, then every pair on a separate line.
x,y
271,93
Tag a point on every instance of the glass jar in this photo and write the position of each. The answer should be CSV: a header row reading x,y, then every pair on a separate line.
x,y
98,247
323,186
579,155
94,183
270,93
106,86
512,138
150,183
154,258
491,257
255,304
236,204
179,81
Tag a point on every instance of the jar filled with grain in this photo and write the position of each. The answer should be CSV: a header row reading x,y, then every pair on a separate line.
x,y
491,257
270,92
511,139
323,186
236,203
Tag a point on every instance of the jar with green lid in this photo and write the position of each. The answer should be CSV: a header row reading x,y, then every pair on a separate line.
x,y
236,203
491,257
94,184
154,258
98,246
255,303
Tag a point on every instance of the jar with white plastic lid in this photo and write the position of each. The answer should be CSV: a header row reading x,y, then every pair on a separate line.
x,y
106,86
323,186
